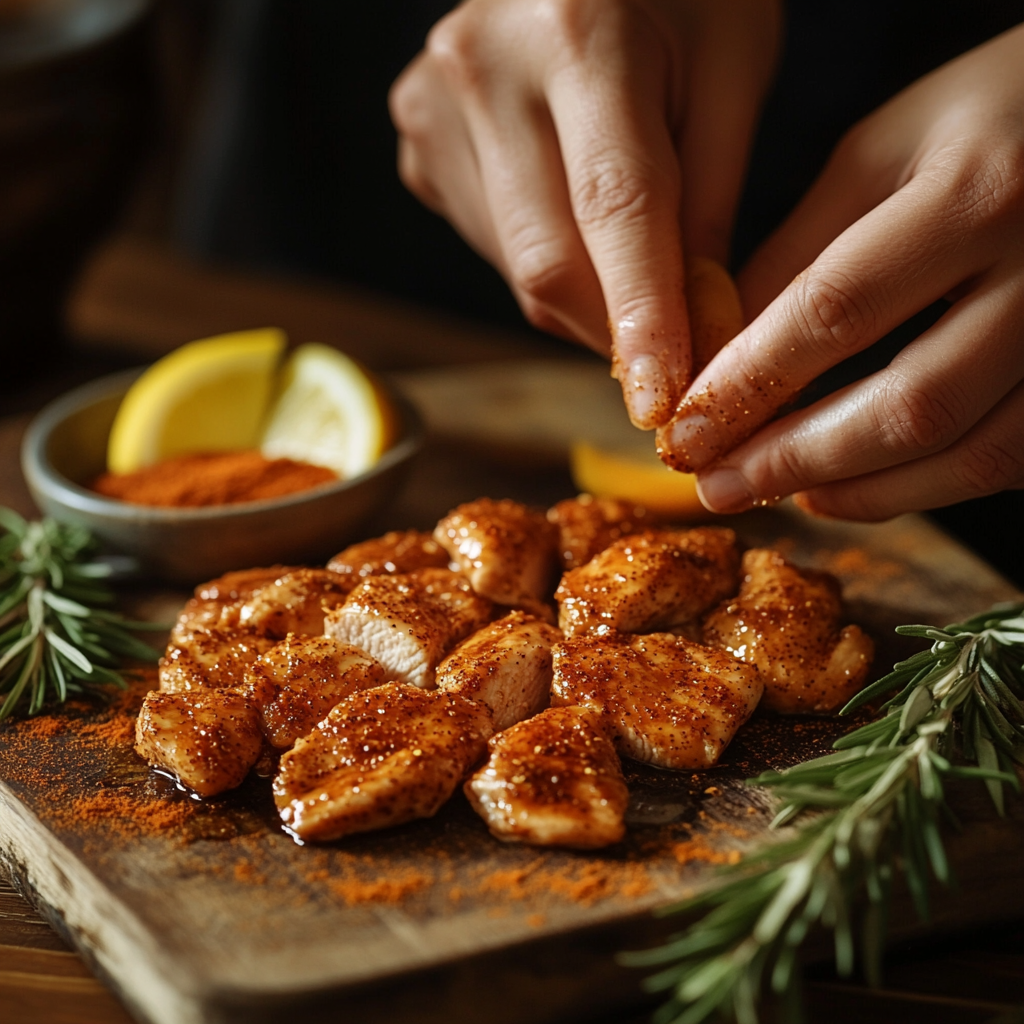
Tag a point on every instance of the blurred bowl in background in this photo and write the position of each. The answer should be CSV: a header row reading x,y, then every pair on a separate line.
x,y
65,448
77,105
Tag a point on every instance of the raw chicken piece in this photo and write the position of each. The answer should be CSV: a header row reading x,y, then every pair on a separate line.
x,y
409,623
506,665
786,622
553,780
507,551
658,579
399,551
381,757
209,740
209,658
295,603
587,525
299,680
671,702
215,604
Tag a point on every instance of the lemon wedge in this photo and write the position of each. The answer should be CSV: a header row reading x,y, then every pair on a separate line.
x,y
642,480
329,411
209,395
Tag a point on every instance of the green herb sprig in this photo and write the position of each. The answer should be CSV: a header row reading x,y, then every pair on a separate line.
x,y
57,636
958,713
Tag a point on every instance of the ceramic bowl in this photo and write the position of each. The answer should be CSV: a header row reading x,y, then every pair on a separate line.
x,y
65,448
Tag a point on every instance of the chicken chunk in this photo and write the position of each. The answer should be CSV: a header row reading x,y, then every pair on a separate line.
x,y
399,551
506,550
409,622
295,603
786,622
553,780
208,740
381,757
296,682
659,579
587,525
215,604
506,665
672,702
209,659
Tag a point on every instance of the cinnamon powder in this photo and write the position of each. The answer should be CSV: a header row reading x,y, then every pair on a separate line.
x,y
212,478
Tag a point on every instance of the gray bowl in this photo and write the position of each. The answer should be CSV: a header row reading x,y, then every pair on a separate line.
x,y
66,446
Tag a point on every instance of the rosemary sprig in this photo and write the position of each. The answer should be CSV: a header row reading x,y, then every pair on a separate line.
x,y
56,636
878,800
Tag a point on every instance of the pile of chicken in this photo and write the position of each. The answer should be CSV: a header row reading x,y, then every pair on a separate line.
x,y
378,684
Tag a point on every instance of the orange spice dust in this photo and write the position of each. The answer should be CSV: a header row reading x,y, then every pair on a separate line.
x,y
212,478
382,890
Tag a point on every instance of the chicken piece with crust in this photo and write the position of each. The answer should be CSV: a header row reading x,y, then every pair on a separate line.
x,y
215,604
208,740
294,603
553,780
786,622
300,679
399,551
671,702
409,622
658,579
381,757
587,525
507,551
506,665
209,659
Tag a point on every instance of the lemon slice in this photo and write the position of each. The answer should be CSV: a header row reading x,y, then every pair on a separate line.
x,y
645,481
329,411
209,395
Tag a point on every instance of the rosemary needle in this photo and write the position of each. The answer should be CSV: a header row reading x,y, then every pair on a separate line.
x,y
57,636
878,802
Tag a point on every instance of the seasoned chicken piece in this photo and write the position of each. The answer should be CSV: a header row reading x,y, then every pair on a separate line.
x,y
209,658
399,551
208,740
658,579
410,622
295,603
671,702
507,551
506,665
381,757
215,604
587,525
553,780
299,680
786,622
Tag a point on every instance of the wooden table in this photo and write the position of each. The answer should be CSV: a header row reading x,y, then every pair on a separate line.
x,y
135,303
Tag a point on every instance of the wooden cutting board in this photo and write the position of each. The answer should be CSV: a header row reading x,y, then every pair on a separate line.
x,y
209,913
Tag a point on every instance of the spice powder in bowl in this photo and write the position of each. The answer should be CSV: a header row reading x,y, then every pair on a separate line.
x,y
212,478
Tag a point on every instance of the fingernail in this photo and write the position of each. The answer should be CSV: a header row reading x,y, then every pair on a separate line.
x,y
724,490
687,444
648,392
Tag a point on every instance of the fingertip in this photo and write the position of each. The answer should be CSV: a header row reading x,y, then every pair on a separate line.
x,y
648,390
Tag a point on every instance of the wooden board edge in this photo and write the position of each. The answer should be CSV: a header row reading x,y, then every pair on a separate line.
x,y
102,929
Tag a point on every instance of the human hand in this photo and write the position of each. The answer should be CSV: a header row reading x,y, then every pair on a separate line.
x,y
922,200
580,146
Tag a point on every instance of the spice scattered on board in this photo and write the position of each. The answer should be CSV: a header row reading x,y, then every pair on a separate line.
x,y
91,785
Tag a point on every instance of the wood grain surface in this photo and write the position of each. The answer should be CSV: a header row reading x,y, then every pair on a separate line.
x,y
516,959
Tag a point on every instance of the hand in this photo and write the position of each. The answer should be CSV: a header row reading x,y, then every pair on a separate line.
x,y
580,145
922,200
